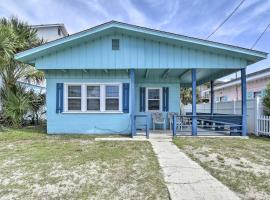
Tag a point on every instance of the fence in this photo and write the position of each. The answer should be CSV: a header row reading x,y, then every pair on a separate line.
x,y
263,125
255,121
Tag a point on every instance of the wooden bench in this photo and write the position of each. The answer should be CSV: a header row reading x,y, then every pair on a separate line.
x,y
220,121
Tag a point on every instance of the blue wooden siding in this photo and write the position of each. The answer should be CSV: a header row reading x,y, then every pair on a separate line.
x,y
83,123
98,123
135,52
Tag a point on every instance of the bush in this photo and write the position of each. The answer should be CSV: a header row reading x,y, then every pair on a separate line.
x,y
266,100
15,107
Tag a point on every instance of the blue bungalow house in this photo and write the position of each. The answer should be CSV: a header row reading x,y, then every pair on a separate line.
x,y
102,79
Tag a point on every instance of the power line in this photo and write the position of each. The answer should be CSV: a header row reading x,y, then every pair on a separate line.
x,y
260,36
227,18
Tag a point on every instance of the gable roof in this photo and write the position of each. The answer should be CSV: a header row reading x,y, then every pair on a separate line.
x,y
60,25
250,55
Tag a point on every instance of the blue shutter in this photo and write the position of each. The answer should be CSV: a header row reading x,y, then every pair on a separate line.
x,y
125,97
59,97
165,99
142,99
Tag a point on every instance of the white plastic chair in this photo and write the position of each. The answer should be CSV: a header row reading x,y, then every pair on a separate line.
x,y
158,119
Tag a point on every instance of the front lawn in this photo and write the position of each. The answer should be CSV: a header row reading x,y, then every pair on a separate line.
x,y
37,166
241,164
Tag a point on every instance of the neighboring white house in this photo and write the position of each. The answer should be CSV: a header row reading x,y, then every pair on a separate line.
x,y
231,90
49,32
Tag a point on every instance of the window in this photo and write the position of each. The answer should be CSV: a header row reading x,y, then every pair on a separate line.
x,y
115,44
223,98
59,31
257,94
112,98
74,97
153,99
93,97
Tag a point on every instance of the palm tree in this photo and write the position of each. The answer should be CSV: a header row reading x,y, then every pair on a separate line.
x,y
16,36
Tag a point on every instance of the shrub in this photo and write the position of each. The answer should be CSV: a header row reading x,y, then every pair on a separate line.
x,y
266,100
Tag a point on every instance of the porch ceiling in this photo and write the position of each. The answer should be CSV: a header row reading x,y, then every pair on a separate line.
x,y
182,75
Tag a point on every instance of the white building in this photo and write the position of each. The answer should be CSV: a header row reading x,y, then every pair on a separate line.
x,y
49,32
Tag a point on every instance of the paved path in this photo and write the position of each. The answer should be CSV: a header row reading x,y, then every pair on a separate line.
x,y
185,179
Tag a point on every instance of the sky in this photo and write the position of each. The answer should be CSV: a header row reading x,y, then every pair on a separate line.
x,y
196,18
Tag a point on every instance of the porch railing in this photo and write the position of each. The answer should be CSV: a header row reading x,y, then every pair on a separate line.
x,y
144,125
207,124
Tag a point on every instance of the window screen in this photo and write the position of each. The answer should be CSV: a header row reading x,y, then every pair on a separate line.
x,y
115,44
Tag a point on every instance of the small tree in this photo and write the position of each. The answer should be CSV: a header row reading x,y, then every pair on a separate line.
x,y
16,106
266,100
37,101
186,95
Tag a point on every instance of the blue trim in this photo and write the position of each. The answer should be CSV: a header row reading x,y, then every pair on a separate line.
x,y
174,125
142,99
126,97
194,115
212,97
165,99
132,101
244,101
59,97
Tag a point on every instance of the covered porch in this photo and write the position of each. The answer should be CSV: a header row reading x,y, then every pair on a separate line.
x,y
175,121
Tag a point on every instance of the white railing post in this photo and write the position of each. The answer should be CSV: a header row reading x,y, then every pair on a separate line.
x,y
256,115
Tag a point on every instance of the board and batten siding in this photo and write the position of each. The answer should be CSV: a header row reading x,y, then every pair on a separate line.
x,y
135,52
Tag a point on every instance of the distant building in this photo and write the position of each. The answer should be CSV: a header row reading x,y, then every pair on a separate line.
x,y
49,32
231,90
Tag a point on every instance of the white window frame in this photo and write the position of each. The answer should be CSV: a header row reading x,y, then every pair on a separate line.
x,y
105,98
67,97
160,99
84,98
94,97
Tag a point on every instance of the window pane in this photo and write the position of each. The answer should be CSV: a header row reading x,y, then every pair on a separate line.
x,y
74,104
112,91
153,93
153,104
93,104
93,91
115,44
74,91
112,104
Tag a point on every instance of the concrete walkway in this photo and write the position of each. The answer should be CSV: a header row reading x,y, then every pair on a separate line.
x,y
184,178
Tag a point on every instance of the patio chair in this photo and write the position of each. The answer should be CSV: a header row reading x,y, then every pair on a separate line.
x,y
179,123
158,119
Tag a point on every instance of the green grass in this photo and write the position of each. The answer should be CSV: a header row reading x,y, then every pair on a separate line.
x,y
37,166
241,164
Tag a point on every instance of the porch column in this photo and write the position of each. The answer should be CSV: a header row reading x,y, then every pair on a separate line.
x,y
132,101
212,97
194,114
244,101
